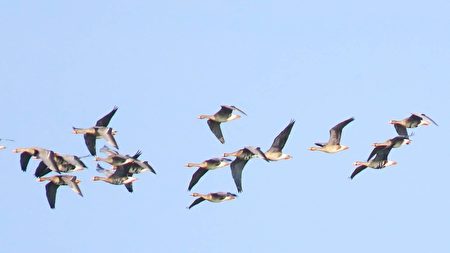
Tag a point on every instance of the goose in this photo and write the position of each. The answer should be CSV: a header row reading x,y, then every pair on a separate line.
x,y
242,157
413,121
395,142
65,164
47,157
116,159
55,182
223,115
380,161
100,130
120,175
203,167
275,151
214,197
333,145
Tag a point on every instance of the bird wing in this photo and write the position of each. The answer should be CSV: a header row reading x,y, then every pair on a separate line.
x,y
103,122
41,170
122,171
90,139
196,177
382,155
215,128
136,156
374,152
100,169
24,159
336,132
280,140
357,170
71,181
224,112
422,115
105,149
237,109
108,136
129,187
237,166
401,130
49,160
50,190
197,201
257,151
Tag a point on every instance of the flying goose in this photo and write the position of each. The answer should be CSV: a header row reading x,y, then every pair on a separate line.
x,y
395,142
413,121
223,115
120,175
47,157
333,145
242,157
55,182
65,163
100,130
203,167
380,161
214,197
275,151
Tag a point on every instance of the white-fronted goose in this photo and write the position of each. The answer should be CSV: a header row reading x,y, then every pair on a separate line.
x,y
203,167
55,182
275,153
100,130
413,121
395,142
65,163
120,175
114,158
223,115
47,157
214,197
242,157
380,161
334,143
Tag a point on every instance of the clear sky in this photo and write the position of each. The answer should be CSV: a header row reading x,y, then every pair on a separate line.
x,y
67,63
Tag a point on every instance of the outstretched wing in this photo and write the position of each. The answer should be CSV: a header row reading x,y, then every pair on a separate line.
x,y
357,170
24,159
197,201
215,128
280,140
103,122
89,139
196,177
50,190
237,166
336,132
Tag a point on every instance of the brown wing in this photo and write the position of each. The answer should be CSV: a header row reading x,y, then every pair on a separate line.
x,y
196,177
336,132
357,170
215,129
103,122
197,201
280,140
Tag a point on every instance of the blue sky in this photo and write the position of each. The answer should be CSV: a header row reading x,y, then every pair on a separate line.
x,y
67,63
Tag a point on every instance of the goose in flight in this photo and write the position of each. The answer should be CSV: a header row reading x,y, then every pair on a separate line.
x,y
413,121
205,166
214,197
56,181
334,143
242,157
275,152
223,115
380,161
100,130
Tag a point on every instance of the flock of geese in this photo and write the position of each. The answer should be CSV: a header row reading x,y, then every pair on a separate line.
x,y
124,167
